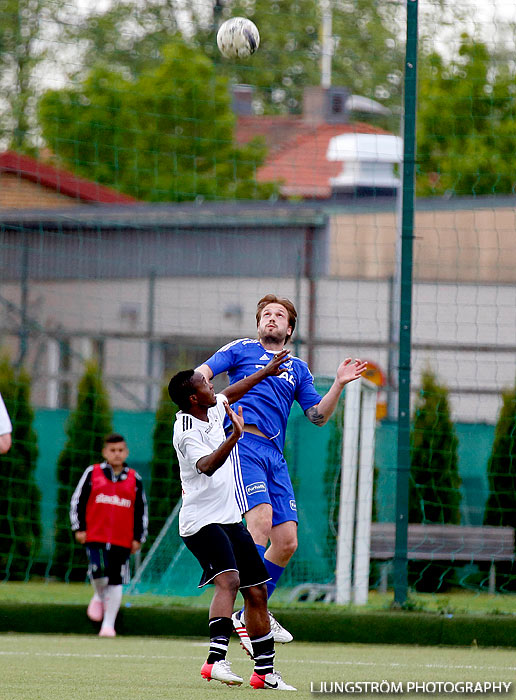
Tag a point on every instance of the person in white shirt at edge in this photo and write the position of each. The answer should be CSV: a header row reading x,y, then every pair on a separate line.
x,y
6,428
210,521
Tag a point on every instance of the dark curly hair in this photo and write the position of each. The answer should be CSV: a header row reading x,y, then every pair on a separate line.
x,y
180,388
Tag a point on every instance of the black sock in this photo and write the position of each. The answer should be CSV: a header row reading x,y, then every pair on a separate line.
x,y
263,653
220,632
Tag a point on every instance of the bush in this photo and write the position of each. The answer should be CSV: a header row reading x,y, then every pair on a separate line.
x,y
501,473
434,487
20,524
165,488
86,428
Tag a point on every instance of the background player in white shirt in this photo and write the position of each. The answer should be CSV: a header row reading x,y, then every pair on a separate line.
x,y
210,521
270,506
6,428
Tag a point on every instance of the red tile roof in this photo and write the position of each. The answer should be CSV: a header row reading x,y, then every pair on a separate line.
x,y
276,130
60,180
297,151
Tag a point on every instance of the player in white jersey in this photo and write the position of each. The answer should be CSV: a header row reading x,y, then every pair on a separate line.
x,y
270,506
210,521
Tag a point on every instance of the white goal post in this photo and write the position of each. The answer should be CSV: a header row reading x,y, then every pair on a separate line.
x,y
356,493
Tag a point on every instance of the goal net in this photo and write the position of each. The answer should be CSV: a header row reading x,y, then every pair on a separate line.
x,y
152,191
170,569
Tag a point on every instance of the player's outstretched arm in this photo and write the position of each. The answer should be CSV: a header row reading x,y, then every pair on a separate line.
x,y
348,371
273,368
210,463
205,370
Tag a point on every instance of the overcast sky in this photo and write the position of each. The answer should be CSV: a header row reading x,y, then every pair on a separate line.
x,y
486,19
489,20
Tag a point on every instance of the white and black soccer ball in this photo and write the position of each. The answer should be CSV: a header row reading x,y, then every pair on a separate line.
x,y
238,37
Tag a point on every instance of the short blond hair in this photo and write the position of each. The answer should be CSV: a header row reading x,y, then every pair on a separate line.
x,y
273,299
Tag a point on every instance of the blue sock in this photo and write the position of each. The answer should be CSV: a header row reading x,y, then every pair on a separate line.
x,y
275,572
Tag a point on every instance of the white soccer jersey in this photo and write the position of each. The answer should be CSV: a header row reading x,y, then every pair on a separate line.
x,y
5,421
206,499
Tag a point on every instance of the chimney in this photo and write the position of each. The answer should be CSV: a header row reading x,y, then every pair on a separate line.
x,y
325,105
368,165
242,100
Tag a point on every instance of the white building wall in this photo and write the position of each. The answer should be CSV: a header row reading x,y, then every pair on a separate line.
x,y
464,333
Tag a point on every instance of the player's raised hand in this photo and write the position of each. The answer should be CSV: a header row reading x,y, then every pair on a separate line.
x,y
236,419
350,369
273,368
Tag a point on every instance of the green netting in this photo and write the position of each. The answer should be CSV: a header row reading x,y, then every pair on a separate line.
x,y
151,192
172,570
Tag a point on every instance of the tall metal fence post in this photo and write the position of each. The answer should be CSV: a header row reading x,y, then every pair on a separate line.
x,y
151,304
407,237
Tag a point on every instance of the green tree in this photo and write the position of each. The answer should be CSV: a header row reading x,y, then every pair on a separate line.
x,y
165,488
87,426
434,487
128,36
434,473
23,29
164,136
501,468
20,525
500,509
466,125
367,58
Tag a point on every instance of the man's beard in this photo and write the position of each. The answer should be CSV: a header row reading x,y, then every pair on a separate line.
x,y
273,337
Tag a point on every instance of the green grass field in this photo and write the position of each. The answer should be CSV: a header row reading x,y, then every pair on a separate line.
x,y
52,667
454,602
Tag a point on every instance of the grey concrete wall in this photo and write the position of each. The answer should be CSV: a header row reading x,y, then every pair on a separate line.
x,y
465,332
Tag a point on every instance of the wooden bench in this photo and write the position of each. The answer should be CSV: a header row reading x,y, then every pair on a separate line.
x,y
453,543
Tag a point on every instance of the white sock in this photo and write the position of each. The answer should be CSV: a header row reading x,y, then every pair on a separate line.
x,y
112,602
99,586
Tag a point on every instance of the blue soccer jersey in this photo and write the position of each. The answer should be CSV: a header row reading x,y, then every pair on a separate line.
x,y
267,405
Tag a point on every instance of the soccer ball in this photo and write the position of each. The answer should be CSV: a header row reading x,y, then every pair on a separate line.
x,y
238,37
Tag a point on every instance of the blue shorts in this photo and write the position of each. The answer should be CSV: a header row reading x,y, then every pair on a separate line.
x,y
261,476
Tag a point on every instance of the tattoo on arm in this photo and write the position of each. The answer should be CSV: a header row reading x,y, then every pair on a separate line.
x,y
314,416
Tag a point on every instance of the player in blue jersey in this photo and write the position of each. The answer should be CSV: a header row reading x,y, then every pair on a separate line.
x,y
264,487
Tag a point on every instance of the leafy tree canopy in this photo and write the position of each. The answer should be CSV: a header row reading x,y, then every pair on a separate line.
x,y
23,29
367,59
466,124
366,51
166,135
